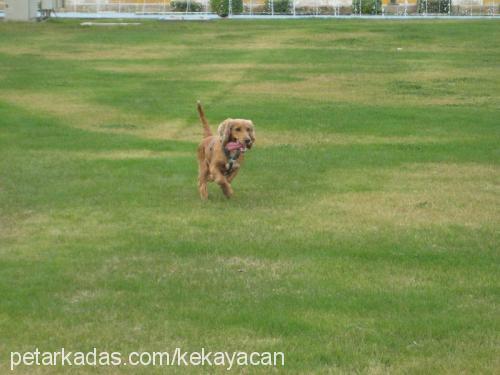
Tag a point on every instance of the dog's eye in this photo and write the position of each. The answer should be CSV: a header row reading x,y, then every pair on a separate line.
x,y
238,129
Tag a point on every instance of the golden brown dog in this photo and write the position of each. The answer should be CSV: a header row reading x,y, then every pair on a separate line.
x,y
220,156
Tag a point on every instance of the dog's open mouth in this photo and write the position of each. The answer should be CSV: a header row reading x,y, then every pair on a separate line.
x,y
233,146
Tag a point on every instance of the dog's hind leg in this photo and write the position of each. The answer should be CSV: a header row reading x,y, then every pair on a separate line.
x,y
203,176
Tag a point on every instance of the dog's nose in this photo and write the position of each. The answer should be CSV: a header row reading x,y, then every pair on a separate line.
x,y
248,141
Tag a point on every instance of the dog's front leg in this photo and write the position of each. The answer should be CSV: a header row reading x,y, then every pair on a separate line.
x,y
221,180
231,177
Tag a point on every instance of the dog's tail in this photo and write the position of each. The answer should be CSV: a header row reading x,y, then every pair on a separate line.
x,y
206,128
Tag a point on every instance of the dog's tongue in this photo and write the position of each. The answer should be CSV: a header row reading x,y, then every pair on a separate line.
x,y
232,146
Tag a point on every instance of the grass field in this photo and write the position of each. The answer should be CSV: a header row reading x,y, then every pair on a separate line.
x,y
363,234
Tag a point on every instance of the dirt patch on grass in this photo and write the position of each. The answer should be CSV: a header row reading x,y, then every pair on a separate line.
x,y
422,87
417,195
76,111
90,52
275,269
82,296
220,73
131,154
277,138
112,155
71,108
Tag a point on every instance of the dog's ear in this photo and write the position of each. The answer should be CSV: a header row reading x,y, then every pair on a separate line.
x,y
251,133
224,130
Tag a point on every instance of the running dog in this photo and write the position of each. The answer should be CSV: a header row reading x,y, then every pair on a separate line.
x,y
221,156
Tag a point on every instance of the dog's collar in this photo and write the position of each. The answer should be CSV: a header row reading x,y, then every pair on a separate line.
x,y
231,159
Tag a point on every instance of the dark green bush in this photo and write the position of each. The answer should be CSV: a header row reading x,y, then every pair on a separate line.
x,y
221,7
367,6
433,6
182,6
280,6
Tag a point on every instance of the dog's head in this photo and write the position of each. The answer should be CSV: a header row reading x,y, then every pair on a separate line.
x,y
237,130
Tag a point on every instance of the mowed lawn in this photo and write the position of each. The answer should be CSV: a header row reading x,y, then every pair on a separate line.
x,y
363,235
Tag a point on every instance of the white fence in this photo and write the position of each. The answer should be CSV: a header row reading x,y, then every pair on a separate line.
x,y
297,7
267,7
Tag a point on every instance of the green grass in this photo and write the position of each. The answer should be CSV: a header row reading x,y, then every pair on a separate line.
x,y
363,234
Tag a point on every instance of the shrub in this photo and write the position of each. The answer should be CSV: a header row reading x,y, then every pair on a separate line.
x,y
280,6
367,6
433,6
322,9
254,8
221,7
182,6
